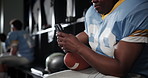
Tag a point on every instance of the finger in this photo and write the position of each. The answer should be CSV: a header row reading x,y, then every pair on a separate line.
x,y
64,49
60,44
62,34
60,39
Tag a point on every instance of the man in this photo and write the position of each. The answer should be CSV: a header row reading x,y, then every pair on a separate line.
x,y
117,31
21,47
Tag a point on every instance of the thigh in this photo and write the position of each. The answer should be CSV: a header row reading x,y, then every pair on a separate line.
x,y
70,74
13,60
99,75
87,73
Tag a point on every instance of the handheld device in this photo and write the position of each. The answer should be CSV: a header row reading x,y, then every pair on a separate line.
x,y
59,28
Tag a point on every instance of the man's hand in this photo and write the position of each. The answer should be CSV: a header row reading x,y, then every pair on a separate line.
x,y
68,42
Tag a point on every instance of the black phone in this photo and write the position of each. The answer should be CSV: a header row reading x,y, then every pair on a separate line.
x,y
59,28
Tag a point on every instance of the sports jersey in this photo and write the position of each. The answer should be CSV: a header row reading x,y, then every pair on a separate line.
x,y
127,21
24,42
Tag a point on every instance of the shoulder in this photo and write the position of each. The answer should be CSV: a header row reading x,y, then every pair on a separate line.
x,y
133,12
11,33
130,7
91,11
138,15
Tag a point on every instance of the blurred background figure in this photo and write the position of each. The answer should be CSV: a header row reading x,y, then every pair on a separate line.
x,y
20,46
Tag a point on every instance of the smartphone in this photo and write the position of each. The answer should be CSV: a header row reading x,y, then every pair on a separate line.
x,y
59,28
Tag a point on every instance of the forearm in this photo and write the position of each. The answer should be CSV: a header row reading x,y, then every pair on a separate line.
x,y
102,64
14,47
82,37
13,51
117,66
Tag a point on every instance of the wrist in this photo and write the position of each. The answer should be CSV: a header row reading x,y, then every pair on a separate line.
x,y
81,49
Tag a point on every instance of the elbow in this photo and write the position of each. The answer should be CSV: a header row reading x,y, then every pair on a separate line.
x,y
116,72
